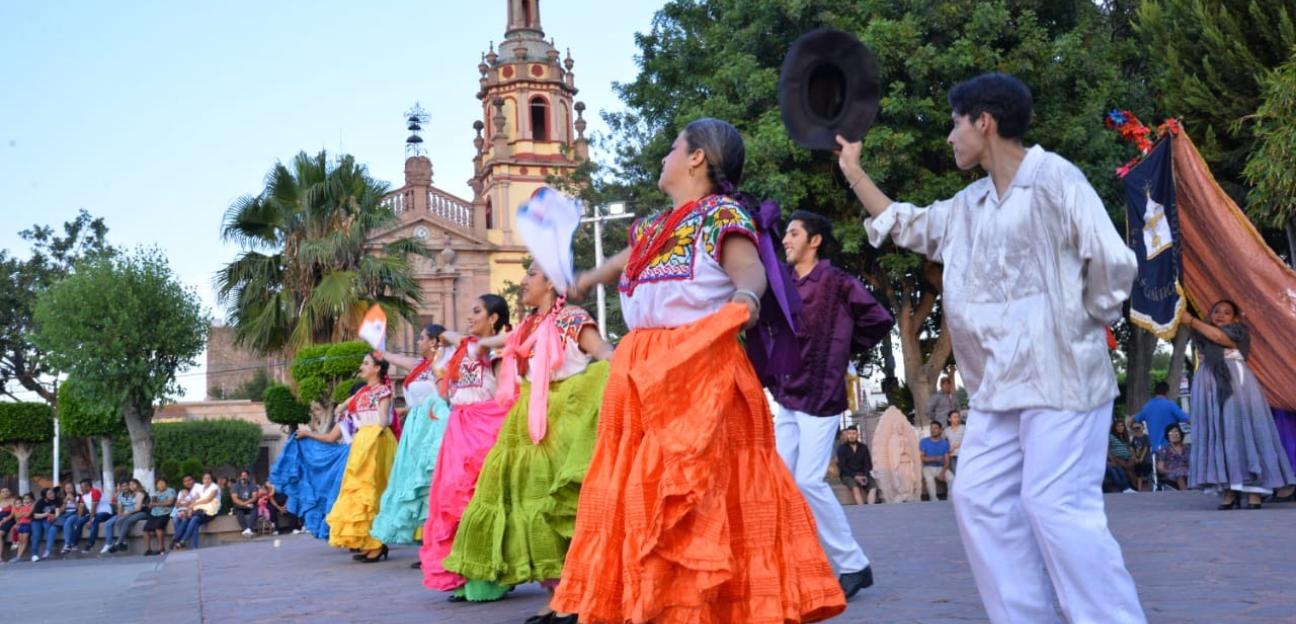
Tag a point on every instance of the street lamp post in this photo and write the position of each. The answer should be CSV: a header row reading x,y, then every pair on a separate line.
x,y
611,212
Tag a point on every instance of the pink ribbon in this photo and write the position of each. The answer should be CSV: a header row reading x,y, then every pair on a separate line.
x,y
545,346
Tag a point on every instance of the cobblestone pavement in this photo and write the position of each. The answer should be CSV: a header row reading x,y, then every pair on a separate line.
x,y
1191,563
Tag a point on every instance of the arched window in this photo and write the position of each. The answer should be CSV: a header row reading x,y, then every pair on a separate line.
x,y
490,218
539,119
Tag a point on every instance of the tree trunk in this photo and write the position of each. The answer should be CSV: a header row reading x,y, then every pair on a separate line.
x,y
81,451
921,375
22,451
1138,373
139,424
105,447
1177,359
1291,243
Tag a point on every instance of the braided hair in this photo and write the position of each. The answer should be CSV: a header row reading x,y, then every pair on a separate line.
x,y
725,154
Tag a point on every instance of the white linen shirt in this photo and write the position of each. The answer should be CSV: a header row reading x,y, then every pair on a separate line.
x,y
1031,279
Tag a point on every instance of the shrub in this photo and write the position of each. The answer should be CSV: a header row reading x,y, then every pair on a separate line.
x,y
282,408
191,467
170,470
212,443
318,370
25,422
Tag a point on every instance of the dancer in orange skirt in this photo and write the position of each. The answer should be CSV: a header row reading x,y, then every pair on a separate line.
x,y
687,513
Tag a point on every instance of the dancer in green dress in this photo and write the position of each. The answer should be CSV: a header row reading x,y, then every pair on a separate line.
x,y
520,521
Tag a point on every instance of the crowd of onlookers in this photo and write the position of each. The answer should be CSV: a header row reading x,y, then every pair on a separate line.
x,y
1149,450
31,524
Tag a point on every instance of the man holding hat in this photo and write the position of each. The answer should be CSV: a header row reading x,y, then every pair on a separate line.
x,y
1034,270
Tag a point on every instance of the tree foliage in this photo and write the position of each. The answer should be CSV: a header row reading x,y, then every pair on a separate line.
x,y
1272,161
282,408
721,58
80,413
123,326
1209,62
319,370
306,275
213,443
26,422
54,255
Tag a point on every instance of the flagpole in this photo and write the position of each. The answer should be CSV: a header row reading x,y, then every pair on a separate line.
x,y
614,212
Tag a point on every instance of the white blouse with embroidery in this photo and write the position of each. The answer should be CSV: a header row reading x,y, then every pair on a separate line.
x,y
476,382
686,281
571,320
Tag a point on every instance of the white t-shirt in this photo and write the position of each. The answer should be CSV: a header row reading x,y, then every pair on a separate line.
x,y
104,506
200,492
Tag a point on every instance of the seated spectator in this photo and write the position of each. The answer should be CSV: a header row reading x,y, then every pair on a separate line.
x,y
164,499
243,496
180,513
1158,414
1172,459
7,502
954,433
141,515
23,518
226,500
43,515
1141,455
854,465
128,502
1120,459
935,458
67,518
283,519
99,509
204,504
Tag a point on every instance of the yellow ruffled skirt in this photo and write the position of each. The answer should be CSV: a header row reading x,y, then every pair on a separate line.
x,y
368,465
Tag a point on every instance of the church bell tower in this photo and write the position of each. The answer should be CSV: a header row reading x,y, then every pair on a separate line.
x,y
531,128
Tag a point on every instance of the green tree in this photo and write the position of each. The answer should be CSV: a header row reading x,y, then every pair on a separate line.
x,y
124,326
1217,63
54,254
324,374
84,415
22,427
1272,200
282,408
721,58
306,275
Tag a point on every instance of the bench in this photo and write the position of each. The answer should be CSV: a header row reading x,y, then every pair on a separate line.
x,y
222,529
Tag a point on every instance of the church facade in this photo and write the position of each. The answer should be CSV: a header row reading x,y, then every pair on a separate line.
x,y
531,128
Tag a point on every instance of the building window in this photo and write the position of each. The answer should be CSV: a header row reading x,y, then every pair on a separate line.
x,y
539,119
490,218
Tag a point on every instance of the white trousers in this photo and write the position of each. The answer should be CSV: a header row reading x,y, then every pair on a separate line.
x,y
930,475
805,443
1029,505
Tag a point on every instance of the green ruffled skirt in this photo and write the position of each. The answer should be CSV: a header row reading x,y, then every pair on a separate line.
x,y
520,521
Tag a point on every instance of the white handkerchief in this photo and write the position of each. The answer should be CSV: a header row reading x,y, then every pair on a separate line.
x,y
547,223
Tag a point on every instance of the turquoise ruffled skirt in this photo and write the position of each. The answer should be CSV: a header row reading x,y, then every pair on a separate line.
x,y
404,506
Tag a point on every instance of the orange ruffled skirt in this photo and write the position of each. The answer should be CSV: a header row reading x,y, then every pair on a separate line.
x,y
687,514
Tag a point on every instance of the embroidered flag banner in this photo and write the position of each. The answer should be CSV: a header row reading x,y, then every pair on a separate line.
x,y
547,223
1153,234
373,329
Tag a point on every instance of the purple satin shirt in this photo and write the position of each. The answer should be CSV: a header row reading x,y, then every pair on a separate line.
x,y
838,318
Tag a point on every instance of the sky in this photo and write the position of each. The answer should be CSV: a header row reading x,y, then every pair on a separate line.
x,y
156,116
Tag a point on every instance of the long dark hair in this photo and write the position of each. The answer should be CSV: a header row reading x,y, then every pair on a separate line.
x,y
433,331
496,305
382,365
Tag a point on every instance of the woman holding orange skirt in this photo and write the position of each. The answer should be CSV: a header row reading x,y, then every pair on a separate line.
x,y
687,513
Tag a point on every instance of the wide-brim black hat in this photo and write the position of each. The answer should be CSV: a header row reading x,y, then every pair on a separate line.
x,y
828,86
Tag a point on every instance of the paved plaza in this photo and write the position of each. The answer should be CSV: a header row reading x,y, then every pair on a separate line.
x,y
1191,563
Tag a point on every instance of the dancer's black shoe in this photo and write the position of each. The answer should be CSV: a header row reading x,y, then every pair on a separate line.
x,y
852,582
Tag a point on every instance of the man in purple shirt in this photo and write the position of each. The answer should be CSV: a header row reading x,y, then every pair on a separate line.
x,y
838,318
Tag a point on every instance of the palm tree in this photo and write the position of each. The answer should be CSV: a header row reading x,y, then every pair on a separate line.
x,y
304,275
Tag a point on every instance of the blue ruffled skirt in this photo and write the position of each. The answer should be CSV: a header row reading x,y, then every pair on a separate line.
x,y
309,473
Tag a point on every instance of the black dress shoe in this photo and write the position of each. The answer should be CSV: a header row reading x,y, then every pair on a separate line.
x,y
417,565
852,582
540,619
456,598
564,619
